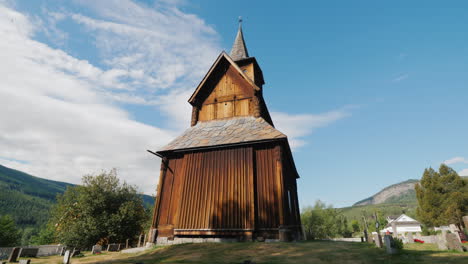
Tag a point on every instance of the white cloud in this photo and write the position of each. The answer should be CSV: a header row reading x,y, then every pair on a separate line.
x,y
456,160
463,172
58,116
400,78
298,127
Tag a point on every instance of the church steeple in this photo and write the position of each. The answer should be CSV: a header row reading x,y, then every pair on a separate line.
x,y
239,50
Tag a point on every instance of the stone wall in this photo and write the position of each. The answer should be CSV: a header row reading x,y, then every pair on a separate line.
x,y
5,252
45,250
348,239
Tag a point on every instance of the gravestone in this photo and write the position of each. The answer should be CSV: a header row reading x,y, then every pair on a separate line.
x,y
389,245
453,243
97,249
442,240
66,257
369,238
75,252
465,220
14,255
409,238
139,240
28,252
378,240
25,261
126,243
113,247
62,251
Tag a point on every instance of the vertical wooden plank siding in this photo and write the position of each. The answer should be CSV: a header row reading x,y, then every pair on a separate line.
x,y
215,192
268,198
229,190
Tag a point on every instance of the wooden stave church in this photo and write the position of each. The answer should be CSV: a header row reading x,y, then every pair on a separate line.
x,y
232,174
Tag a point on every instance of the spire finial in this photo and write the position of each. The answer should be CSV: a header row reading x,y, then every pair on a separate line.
x,y
239,50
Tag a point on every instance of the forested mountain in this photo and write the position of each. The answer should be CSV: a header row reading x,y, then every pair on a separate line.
x,y
28,198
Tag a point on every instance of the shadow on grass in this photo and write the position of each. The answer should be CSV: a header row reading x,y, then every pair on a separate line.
x,y
301,252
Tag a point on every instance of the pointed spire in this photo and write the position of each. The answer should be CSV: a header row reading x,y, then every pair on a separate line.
x,y
239,50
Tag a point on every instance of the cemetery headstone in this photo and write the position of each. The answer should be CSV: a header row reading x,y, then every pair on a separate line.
x,y
75,252
97,249
442,240
465,220
390,245
126,243
453,243
369,238
25,261
62,251
113,247
66,257
409,238
139,240
378,240
14,255
28,252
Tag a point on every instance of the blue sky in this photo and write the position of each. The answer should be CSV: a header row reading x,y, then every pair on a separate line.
x,y
370,93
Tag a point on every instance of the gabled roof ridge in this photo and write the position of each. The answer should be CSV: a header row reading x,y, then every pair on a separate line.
x,y
223,54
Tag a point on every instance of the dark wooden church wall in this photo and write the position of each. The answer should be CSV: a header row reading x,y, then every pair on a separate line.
x,y
268,189
229,191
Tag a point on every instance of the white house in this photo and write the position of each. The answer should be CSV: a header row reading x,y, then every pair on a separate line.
x,y
402,224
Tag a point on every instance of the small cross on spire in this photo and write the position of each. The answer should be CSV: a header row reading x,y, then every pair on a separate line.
x,y
240,20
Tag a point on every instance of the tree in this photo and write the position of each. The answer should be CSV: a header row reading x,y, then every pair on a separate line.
x,y
9,234
442,197
101,210
355,226
46,236
322,221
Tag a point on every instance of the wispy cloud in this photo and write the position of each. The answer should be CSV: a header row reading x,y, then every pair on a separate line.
x,y
463,172
62,115
299,126
456,160
400,78
59,119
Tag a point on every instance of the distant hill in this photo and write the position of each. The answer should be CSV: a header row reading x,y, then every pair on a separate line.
x,y
402,192
392,200
28,198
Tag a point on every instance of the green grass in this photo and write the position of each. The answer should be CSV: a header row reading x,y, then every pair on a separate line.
x,y
303,252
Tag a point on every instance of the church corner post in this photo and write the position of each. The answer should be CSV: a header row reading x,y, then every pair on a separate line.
x,y
152,234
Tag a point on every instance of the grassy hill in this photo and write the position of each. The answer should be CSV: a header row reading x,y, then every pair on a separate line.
x,y
317,252
28,198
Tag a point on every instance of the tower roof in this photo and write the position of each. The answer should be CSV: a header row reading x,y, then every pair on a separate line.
x,y
239,50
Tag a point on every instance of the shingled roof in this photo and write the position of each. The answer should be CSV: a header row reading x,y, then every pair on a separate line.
x,y
239,50
224,132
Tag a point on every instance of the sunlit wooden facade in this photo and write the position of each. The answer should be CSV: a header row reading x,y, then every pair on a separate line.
x,y
231,174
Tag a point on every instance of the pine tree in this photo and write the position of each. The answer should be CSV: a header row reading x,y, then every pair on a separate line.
x,y
9,234
442,197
